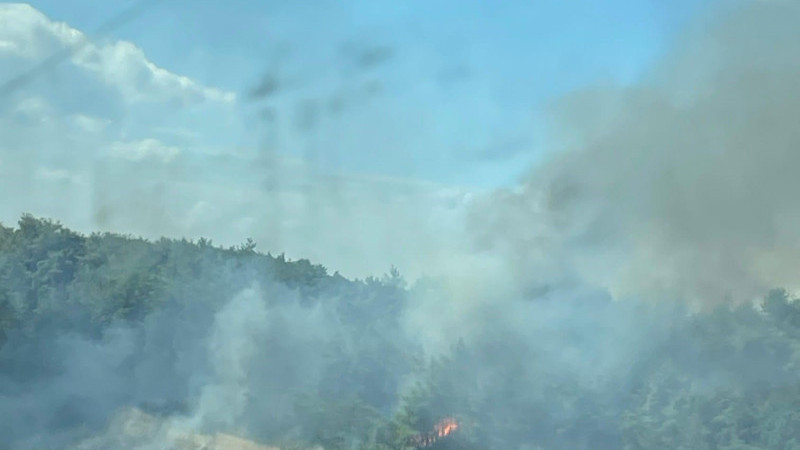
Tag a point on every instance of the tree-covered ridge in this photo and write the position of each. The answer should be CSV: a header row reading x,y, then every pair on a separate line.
x,y
57,285
48,269
95,324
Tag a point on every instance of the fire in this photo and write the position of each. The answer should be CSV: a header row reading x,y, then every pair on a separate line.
x,y
443,428
446,426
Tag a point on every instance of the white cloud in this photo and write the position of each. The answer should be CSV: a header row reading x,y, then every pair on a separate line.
x,y
144,149
7,46
27,33
56,175
34,108
180,133
89,124
125,65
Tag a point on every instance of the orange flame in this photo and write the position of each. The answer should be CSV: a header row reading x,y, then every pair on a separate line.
x,y
446,426
443,428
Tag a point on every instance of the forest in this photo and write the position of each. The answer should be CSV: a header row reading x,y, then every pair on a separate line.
x,y
284,353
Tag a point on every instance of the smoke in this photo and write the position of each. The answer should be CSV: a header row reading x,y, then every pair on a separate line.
x,y
680,187
202,365
236,330
675,192
550,312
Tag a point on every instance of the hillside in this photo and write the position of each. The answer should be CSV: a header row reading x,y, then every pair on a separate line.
x,y
235,344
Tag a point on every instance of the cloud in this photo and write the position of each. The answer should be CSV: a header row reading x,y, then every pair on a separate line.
x,y
89,124
56,176
28,35
125,65
144,149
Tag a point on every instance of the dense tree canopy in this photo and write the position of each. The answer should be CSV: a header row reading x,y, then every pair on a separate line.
x,y
336,368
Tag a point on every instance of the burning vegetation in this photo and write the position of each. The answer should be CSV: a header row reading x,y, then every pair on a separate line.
x,y
442,429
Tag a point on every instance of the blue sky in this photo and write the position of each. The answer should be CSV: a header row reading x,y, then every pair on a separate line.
x,y
456,96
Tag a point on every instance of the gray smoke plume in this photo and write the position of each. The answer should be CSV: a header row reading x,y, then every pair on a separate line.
x,y
240,362
681,187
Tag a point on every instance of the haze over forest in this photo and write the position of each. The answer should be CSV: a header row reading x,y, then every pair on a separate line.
x,y
634,288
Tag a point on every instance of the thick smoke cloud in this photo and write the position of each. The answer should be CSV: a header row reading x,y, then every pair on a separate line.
x,y
681,187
